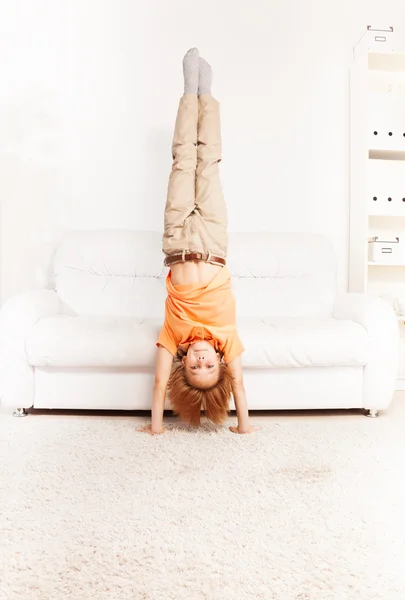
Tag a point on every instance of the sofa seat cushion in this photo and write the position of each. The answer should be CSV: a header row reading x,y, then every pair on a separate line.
x,y
278,342
70,341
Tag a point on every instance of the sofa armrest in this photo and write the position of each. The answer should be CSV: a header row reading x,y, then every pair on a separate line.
x,y
17,316
20,312
379,320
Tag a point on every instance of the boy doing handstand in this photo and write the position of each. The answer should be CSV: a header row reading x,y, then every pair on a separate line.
x,y
199,331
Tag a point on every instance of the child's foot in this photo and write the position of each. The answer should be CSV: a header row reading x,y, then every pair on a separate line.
x,y
191,70
205,78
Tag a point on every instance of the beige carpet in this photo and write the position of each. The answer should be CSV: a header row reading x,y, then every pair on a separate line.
x,y
312,507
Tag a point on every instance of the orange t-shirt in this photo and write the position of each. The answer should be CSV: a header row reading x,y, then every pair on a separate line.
x,y
194,312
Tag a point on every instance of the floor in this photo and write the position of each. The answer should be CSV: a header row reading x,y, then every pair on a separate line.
x,y
311,507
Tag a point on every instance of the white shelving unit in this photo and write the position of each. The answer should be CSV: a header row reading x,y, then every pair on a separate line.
x,y
377,170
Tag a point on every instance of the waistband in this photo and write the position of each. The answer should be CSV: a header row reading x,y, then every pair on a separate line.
x,y
192,256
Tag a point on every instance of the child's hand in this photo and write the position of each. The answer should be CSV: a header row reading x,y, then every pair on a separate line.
x,y
148,429
248,429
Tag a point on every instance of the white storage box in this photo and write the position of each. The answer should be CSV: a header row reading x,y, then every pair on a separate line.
x,y
385,251
375,40
386,122
386,187
380,39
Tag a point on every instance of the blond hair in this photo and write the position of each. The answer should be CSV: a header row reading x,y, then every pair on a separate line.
x,y
187,401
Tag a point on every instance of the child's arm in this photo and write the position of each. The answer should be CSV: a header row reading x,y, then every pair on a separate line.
x,y
162,374
239,395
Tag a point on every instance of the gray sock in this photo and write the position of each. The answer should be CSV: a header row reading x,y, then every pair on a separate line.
x,y
205,79
190,70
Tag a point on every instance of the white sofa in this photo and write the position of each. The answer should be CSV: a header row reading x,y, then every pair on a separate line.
x,y
88,341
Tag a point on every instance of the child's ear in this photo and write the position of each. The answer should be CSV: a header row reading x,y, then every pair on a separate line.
x,y
218,357
183,360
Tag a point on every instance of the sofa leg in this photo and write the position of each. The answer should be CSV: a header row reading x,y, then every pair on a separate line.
x,y
20,412
372,413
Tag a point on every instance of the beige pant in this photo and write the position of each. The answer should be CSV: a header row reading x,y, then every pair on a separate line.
x,y
195,214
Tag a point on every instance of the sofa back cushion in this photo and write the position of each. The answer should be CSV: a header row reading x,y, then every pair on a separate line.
x,y
121,273
111,273
283,274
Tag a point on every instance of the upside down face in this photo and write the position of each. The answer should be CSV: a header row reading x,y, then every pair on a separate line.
x,y
202,365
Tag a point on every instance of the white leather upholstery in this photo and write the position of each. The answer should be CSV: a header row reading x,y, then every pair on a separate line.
x,y
99,325
282,342
282,274
18,315
379,320
66,341
111,273
121,273
129,389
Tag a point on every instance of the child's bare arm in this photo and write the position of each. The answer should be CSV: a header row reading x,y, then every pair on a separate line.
x,y
239,396
162,374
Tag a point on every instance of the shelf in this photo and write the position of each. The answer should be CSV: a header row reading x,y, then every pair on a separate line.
x,y
386,61
380,154
386,74
393,215
379,264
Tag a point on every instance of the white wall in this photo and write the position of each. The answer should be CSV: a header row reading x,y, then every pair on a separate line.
x,y
88,96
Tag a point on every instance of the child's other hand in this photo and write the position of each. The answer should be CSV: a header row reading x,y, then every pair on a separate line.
x,y
240,430
148,429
